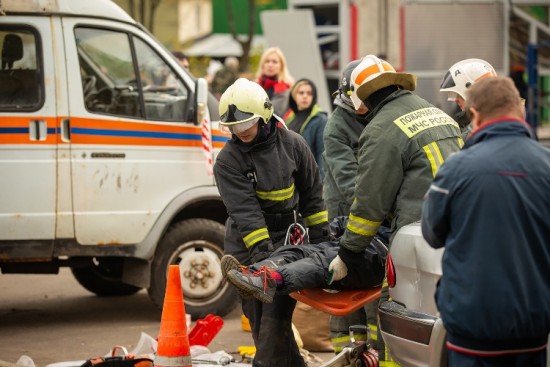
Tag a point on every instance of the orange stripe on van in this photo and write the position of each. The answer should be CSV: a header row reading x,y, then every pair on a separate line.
x,y
15,130
96,131
117,124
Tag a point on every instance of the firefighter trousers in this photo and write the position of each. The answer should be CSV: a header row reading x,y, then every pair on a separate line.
x,y
271,325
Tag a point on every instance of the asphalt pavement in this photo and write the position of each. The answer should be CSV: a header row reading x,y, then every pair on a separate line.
x,y
52,319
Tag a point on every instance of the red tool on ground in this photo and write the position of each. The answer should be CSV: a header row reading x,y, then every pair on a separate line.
x,y
205,330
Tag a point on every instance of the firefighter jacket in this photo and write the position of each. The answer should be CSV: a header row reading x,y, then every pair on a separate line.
x,y
263,184
341,137
400,151
489,207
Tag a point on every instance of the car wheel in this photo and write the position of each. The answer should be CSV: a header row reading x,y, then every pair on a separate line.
x,y
196,246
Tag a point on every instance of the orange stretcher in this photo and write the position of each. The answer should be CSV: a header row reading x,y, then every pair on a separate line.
x,y
337,303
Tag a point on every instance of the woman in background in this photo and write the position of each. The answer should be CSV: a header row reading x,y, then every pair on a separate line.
x,y
275,79
307,119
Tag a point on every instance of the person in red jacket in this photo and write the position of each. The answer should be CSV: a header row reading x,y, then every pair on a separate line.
x,y
275,79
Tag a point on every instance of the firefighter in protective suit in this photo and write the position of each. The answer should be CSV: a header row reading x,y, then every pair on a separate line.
x,y
341,138
268,179
456,82
401,148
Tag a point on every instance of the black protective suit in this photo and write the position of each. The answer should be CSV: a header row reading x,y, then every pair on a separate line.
x,y
306,266
265,185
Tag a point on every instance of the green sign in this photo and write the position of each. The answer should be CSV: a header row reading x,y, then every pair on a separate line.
x,y
241,12
538,12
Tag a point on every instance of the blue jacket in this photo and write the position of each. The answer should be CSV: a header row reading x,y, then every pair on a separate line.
x,y
312,131
489,206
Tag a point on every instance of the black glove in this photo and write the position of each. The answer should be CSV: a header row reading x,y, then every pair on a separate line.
x,y
319,233
350,258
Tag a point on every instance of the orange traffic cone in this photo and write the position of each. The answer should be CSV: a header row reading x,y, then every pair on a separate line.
x,y
173,343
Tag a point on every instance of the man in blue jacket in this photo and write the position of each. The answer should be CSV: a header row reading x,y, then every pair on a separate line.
x,y
489,206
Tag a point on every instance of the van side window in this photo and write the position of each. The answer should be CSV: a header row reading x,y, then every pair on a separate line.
x,y
122,75
109,82
21,81
164,93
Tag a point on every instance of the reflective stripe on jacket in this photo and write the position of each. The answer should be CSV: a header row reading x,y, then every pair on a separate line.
x,y
278,175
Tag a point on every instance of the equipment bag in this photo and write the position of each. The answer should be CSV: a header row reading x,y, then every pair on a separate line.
x,y
126,360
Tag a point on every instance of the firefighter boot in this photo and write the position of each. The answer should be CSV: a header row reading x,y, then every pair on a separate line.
x,y
260,284
228,263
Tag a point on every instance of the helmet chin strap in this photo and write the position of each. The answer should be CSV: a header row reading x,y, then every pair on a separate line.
x,y
263,132
281,121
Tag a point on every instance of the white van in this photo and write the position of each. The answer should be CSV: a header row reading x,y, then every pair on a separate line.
x,y
101,156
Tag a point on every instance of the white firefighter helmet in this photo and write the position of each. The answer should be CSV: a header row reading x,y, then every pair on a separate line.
x,y
243,104
462,75
373,74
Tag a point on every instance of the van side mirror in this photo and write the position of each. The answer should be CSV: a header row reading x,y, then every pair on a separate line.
x,y
201,99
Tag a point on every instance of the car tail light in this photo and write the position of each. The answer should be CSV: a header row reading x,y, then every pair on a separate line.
x,y
390,272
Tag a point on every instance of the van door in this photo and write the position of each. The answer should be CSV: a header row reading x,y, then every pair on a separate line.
x,y
28,132
134,147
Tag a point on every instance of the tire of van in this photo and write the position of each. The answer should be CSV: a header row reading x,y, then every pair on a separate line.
x,y
196,246
102,276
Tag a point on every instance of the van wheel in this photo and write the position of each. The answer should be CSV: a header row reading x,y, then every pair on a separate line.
x,y
102,276
196,246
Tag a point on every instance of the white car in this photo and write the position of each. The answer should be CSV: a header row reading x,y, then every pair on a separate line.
x,y
409,321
